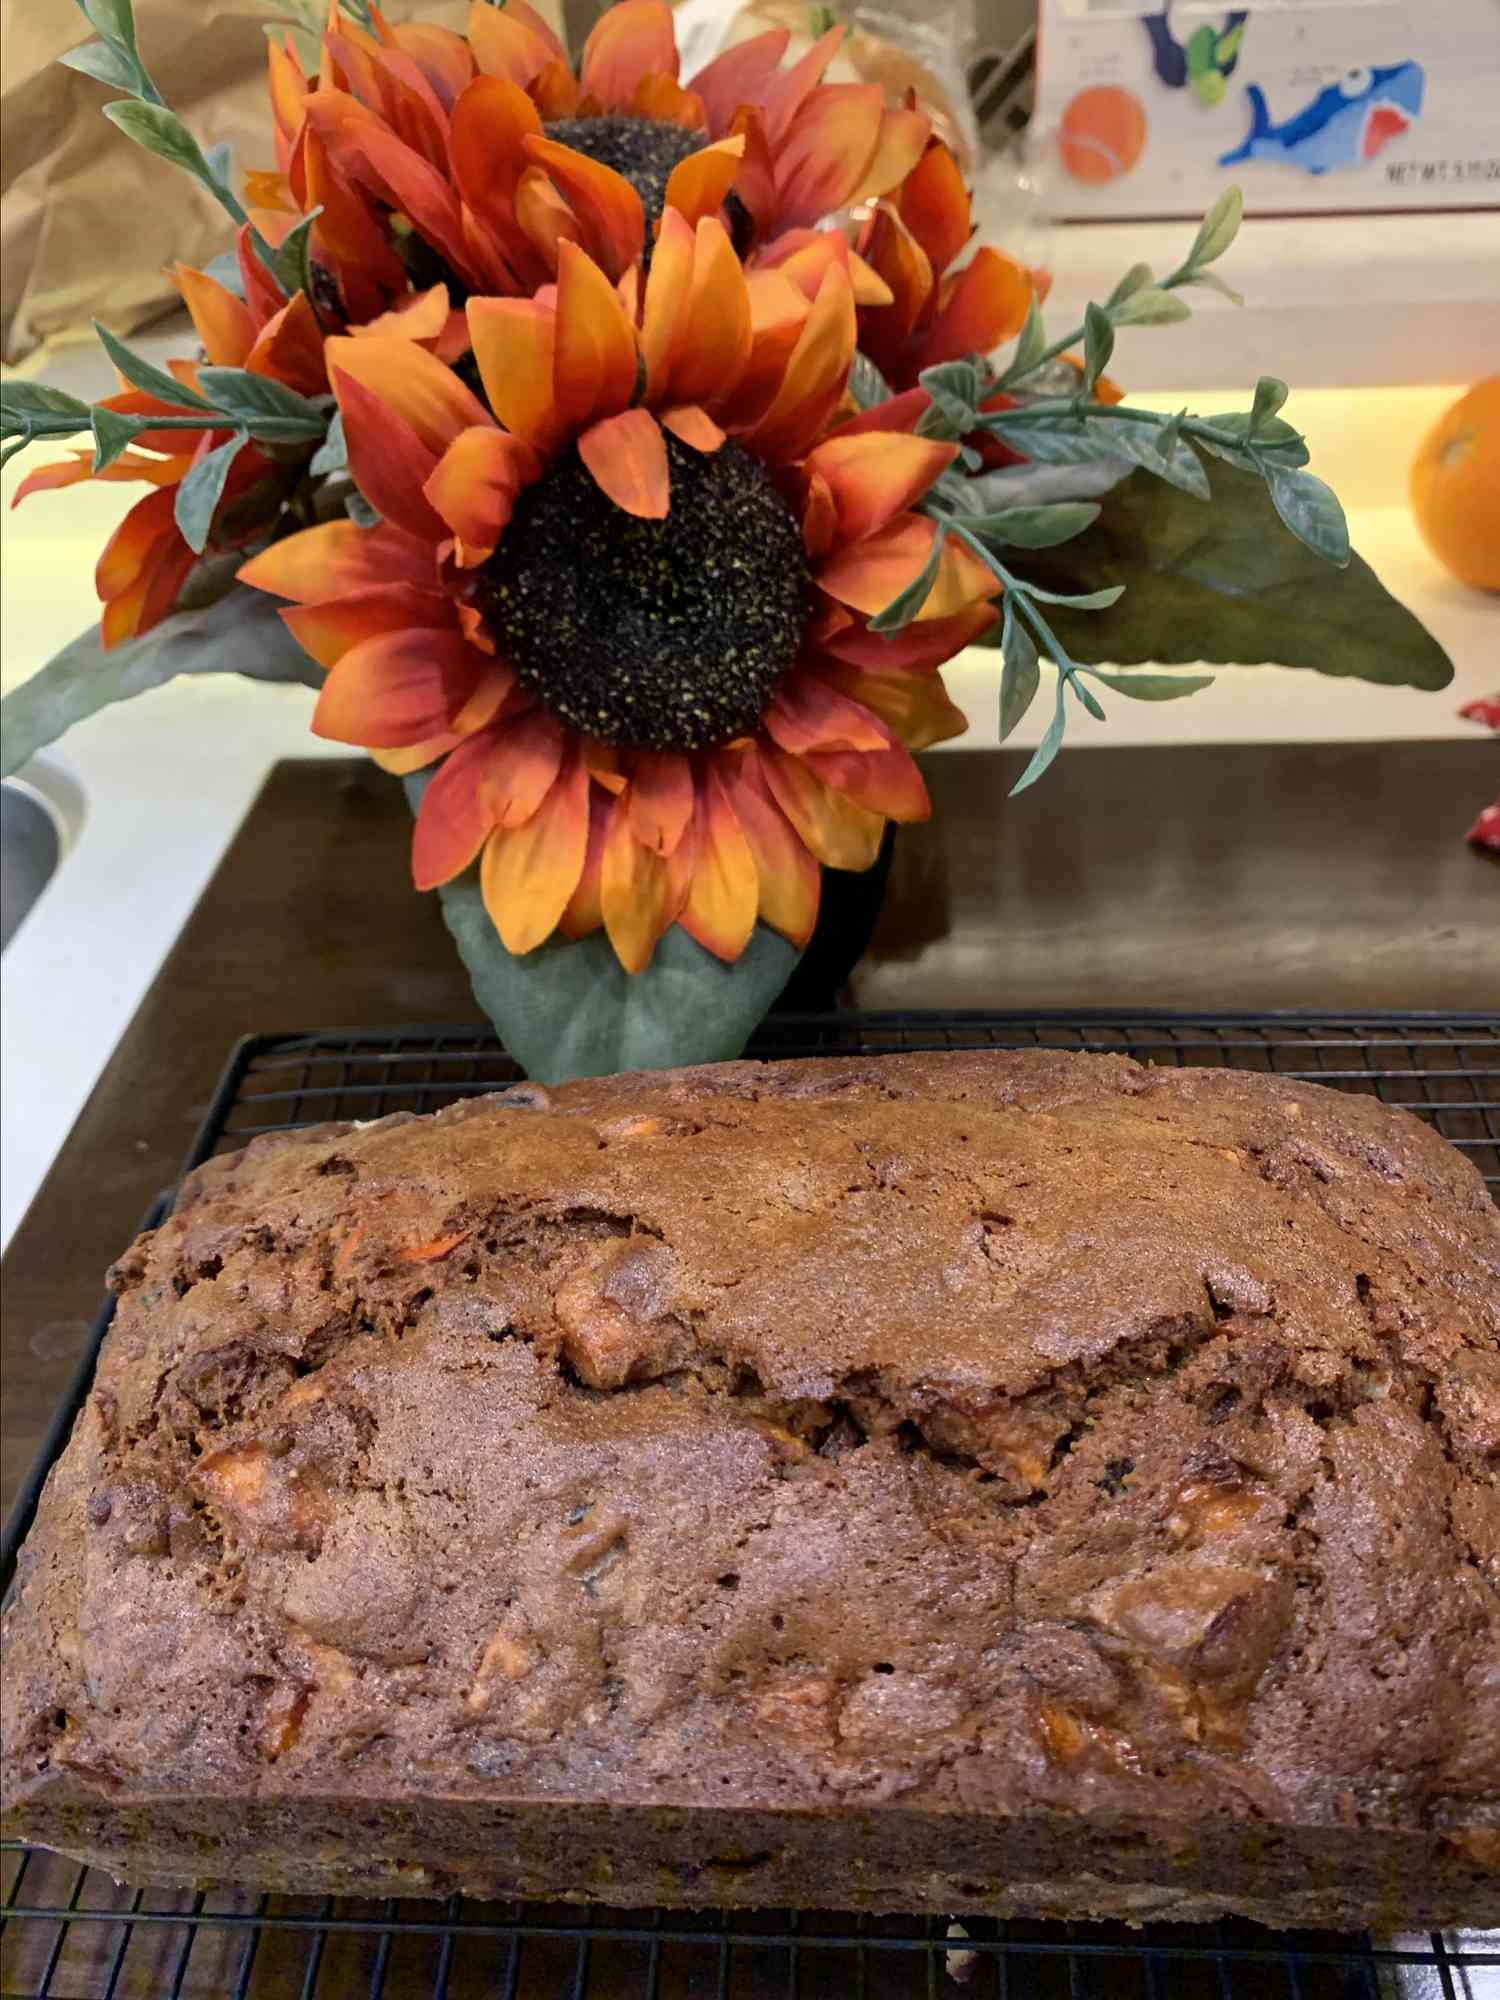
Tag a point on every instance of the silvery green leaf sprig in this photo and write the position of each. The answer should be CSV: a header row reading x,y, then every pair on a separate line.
x,y
1059,420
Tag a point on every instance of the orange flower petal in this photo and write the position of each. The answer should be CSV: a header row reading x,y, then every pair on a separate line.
x,y
667,286
442,56
336,558
897,413
663,99
419,388
636,892
594,365
585,911
223,323
262,294
869,575
421,318
778,315
528,873
870,289
329,629
806,714
475,485
832,827
133,547
544,218
270,194
632,40
820,517
389,461
700,184
348,235
815,375
661,799
986,304
498,778
739,76
72,471
901,261
935,206
715,336
514,341
398,687
604,202
554,90
827,151
755,183
915,706
789,877
289,347
506,44
876,474
803,256
492,121
627,458
725,889
415,756
288,89
903,135
916,649
789,89
882,781
366,149
693,425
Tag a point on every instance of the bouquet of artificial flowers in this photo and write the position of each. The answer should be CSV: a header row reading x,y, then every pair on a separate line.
x,y
623,457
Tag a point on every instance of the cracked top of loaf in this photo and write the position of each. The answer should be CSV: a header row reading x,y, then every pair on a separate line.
x,y
973,1430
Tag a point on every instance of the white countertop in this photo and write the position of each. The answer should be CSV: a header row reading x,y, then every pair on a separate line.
x,y
166,779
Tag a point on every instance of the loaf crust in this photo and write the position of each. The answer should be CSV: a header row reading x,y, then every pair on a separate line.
x,y
1011,1482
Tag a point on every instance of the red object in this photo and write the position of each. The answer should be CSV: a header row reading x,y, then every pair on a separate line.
x,y
1485,711
1485,832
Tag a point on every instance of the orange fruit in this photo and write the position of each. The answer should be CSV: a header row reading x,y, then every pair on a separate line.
x,y
1455,487
1103,131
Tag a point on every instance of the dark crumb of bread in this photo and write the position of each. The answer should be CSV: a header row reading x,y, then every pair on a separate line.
x,y
1016,1482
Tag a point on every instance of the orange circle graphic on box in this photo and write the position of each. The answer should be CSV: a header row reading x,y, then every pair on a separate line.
x,y
1103,132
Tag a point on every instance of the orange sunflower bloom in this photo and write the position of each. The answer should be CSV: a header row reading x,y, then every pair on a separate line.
x,y
476,157
625,596
146,561
940,309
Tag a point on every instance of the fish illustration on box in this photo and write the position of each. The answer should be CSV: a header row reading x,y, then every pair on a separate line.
x,y
1344,126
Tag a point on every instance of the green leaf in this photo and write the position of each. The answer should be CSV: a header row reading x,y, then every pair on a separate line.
x,y
20,400
1311,509
292,268
240,632
1034,527
143,374
1066,440
1277,440
1098,344
1214,283
332,455
1029,347
114,19
267,409
1151,308
163,133
1050,744
1226,585
1157,687
1217,230
866,383
1136,279
1022,673
901,610
202,488
570,1009
1270,394
955,388
1089,699
1078,600
359,510
112,433
105,64
1044,485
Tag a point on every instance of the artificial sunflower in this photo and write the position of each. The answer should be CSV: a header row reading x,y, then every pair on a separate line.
x,y
626,598
472,158
147,560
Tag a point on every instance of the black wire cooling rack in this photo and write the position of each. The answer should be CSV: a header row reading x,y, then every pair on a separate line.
x,y
70,1933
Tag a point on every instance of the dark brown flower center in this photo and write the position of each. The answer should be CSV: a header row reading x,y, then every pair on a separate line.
x,y
642,150
654,635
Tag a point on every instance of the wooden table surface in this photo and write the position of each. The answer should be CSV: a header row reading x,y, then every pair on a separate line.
x,y
1238,877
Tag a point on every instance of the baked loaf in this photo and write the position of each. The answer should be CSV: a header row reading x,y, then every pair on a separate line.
x,y
1011,1482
